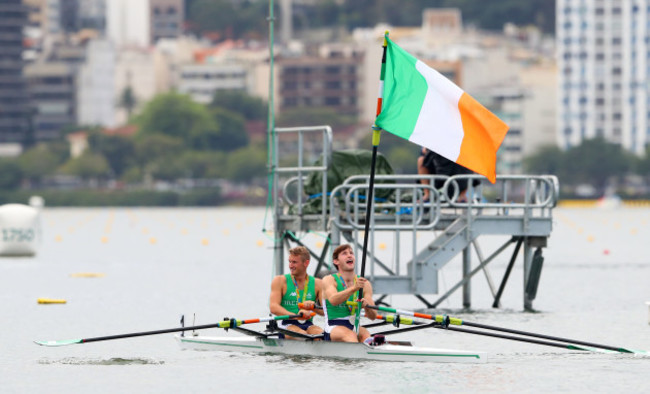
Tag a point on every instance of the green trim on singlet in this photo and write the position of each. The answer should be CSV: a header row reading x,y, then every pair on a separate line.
x,y
340,310
289,301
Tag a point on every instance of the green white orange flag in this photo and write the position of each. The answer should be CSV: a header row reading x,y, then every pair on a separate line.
x,y
421,105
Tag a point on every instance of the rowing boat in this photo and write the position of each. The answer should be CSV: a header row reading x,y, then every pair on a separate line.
x,y
391,351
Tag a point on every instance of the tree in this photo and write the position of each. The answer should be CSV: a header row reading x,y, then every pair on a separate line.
x,y
246,164
595,161
251,108
119,151
230,19
128,101
87,166
177,116
230,136
548,160
155,146
39,161
312,117
10,174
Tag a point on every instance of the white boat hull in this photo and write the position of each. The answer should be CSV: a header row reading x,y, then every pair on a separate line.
x,y
356,351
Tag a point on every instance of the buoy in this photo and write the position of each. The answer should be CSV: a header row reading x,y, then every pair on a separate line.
x,y
260,243
104,240
226,232
87,275
606,251
319,244
153,240
58,238
205,242
382,246
19,230
50,301
184,231
590,238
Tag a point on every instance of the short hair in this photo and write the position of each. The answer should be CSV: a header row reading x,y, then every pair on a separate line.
x,y
338,251
301,252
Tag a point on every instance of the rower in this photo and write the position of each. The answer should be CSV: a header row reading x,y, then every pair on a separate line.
x,y
338,289
287,291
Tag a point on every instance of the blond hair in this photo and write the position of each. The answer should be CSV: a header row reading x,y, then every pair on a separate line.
x,y
301,252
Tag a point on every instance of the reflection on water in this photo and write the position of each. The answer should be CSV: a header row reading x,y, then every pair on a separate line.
x,y
104,361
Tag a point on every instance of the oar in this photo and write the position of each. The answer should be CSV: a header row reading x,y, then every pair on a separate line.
x,y
459,322
221,324
417,325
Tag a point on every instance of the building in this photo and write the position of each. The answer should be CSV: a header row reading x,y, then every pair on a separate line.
x,y
53,90
96,98
603,51
167,17
134,70
331,79
202,81
14,103
127,23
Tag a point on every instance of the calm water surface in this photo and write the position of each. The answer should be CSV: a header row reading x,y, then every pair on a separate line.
x,y
158,264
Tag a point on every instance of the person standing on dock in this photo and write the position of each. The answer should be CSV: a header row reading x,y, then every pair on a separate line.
x,y
339,288
298,287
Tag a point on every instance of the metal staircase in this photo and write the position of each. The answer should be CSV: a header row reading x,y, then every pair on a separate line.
x,y
518,207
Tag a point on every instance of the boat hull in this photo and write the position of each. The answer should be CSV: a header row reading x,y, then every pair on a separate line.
x,y
356,351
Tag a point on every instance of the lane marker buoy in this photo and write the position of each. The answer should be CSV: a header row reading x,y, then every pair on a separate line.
x,y
50,301
87,275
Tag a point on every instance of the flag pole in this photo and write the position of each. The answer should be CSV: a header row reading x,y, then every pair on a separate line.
x,y
376,134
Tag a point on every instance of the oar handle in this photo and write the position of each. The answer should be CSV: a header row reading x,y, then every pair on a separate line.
x,y
309,307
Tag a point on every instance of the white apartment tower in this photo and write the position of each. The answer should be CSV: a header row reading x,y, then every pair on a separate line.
x,y
603,49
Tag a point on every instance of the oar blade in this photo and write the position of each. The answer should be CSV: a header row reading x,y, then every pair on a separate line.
x,y
610,351
64,342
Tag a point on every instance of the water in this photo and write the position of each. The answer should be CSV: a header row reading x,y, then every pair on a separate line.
x,y
216,263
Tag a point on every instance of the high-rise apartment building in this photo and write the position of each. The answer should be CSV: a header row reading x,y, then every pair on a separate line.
x,y
167,18
331,79
14,104
603,49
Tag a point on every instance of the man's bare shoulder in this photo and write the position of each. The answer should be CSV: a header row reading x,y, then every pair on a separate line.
x,y
279,280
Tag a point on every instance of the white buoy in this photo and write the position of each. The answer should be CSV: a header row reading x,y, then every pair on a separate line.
x,y
19,230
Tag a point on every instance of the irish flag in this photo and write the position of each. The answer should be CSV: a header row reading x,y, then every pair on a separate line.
x,y
421,105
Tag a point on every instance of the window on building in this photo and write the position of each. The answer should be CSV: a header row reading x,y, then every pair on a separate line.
x,y
616,116
171,11
332,70
333,85
332,101
600,101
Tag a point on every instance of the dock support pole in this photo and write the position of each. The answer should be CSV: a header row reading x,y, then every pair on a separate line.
x,y
467,268
528,260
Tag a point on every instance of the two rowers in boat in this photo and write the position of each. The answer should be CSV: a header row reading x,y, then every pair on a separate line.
x,y
290,290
